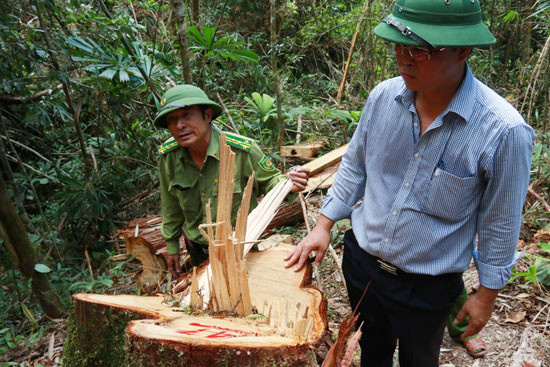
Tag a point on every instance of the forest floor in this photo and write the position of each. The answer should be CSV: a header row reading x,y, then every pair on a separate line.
x,y
517,335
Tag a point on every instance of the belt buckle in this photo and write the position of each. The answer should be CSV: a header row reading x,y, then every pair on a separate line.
x,y
387,267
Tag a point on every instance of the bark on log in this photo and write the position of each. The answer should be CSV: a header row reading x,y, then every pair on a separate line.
x,y
162,335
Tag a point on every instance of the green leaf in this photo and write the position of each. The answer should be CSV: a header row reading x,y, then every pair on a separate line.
x,y
209,33
28,313
510,16
240,55
108,73
123,76
41,268
545,246
255,316
106,282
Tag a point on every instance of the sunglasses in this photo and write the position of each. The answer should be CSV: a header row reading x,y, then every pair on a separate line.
x,y
417,53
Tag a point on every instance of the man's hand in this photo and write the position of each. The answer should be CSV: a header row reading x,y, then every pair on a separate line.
x,y
174,265
299,176
318,240
478,308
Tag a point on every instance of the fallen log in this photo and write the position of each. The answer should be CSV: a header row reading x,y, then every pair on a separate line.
x,y
118,330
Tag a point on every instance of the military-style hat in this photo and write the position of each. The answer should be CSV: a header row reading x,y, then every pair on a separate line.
x,y
436,23
182,96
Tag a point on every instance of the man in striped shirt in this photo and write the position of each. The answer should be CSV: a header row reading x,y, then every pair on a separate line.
x,y
437,159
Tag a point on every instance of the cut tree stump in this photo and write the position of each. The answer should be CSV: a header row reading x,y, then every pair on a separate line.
x,y
290,322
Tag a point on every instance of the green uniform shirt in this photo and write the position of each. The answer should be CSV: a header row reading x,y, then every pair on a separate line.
x,y
185,189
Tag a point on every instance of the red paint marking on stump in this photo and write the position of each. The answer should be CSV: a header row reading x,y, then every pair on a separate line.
x,y
215,331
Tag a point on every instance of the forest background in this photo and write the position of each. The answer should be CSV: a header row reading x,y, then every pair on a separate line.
x,y
81,81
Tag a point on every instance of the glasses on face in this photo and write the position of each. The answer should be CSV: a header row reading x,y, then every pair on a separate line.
x,y
417,53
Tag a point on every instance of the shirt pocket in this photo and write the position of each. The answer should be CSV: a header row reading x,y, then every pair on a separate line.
x,y
184,193
450,197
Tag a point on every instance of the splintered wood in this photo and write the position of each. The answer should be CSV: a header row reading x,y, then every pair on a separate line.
x,y
229,283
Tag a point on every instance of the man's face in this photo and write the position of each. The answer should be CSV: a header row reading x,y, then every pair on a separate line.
x,y
425,74
189,125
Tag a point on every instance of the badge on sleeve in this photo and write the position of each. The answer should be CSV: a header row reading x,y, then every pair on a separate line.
x,y
266,164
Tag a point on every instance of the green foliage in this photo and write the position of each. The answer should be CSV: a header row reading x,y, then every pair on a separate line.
x,y
539,270
262,106
227,47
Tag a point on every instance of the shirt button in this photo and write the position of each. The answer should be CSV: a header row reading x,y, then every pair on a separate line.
x,y
203,194
407,184
200,175
415,124
394,213
386,240
215,180
416,155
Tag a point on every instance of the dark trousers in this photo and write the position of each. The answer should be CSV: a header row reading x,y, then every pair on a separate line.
x,y
198,253
409,308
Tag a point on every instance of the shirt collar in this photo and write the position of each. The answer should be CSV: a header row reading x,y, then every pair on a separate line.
x,y
462,103
213,149
214,144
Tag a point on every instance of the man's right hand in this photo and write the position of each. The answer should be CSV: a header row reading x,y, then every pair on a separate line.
x,y
318,240
174,265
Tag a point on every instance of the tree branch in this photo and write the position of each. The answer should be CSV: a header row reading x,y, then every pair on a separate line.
x,y
7,99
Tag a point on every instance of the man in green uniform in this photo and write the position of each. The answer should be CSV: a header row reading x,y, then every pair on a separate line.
x,y
189,170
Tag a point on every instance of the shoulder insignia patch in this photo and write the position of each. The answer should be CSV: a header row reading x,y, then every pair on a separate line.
x,y
238,141
168,146
266,164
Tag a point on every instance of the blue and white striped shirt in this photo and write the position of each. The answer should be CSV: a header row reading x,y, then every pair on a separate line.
x,y
425,198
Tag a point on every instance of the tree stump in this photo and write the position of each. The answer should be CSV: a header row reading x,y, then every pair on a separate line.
x,y
290,322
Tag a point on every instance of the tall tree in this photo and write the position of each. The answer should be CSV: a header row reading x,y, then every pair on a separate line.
x,y
195,12
276,81
16,239
180,28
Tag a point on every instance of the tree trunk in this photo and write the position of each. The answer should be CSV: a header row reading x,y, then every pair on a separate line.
x,y
18,198
294,322
526,31
195,12
180,29
19,246
276,81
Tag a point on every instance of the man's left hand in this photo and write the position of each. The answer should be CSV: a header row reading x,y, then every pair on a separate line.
x,y
299,176
478,308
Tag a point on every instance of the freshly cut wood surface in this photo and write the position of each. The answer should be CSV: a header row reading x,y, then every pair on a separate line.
x,y
301,151
295,319
326,160
322,180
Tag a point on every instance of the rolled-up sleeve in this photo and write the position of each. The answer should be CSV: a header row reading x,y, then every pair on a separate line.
x,y
499,219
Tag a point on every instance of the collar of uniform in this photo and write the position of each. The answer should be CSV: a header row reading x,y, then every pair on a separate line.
x,y
214,144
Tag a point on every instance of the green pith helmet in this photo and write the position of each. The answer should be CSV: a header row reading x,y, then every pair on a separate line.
x,y
182,96
436,23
